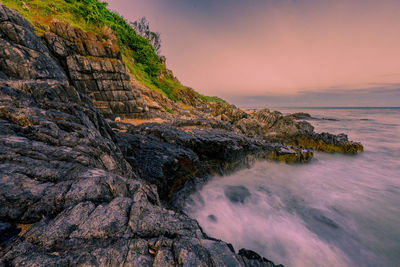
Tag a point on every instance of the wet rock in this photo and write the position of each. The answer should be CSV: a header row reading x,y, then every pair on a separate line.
x,y
291,154
160,163
329,143
221,253
106,221
7,231
190,252
237,194
212,218
300,115
325,220
329,119
177,158
251,258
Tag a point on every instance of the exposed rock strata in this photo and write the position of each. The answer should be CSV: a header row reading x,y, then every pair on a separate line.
x,y
95,68
65,181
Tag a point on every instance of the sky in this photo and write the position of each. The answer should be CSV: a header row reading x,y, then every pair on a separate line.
x,y
280,52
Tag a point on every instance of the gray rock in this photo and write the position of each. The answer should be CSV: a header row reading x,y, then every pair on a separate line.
x,y
237,194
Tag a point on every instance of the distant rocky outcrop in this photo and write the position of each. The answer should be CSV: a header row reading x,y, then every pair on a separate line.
x,y
68,195
273,126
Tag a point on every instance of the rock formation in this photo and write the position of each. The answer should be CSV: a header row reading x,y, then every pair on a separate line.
x,y
94,67
68,197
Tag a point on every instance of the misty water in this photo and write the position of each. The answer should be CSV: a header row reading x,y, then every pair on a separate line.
x,y
337,210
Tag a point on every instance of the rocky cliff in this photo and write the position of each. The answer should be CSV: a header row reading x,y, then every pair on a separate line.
x,y
68,196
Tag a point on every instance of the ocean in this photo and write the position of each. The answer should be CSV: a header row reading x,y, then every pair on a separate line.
x,y
337,210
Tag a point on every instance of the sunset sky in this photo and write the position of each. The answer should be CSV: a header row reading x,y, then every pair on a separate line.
x,y
280,52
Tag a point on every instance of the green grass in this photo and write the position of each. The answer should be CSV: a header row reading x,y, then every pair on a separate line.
x,y
212,99
93,15
169,110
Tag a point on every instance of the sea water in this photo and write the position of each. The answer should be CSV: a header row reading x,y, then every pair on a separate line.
x,y
337,210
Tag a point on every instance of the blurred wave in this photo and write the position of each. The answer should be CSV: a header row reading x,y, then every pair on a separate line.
x,y
336,211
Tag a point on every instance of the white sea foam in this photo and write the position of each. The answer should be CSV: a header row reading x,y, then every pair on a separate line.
x,y
336,211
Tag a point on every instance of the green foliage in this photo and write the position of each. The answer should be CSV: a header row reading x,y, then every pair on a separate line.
x,y
96,12
142,27
92,15
165,86
212,99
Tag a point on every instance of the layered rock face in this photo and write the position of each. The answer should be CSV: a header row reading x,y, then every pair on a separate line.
x,y
64,180
94,66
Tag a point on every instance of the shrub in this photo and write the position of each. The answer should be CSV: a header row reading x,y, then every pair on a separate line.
x,y
96,12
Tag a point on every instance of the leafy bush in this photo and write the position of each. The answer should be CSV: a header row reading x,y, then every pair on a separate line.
x,y
142,27
96,12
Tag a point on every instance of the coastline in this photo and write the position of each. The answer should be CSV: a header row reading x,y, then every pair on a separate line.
x,y
79,188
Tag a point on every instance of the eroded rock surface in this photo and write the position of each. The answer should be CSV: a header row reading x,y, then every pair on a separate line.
x,y
95,68
65,182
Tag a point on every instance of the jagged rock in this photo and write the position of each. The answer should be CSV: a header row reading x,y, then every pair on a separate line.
x,y
66,40
251,258
286,129
19,44
269,118
282,126
251,127
228,112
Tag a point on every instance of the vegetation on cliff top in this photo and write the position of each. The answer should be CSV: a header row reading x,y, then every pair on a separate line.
x,y
94,16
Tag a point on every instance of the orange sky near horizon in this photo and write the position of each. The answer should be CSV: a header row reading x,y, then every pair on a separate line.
x,y
275,47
